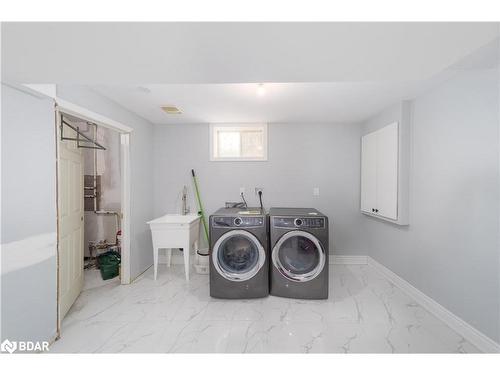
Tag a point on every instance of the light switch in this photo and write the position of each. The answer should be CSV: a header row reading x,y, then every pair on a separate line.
x,y
316,191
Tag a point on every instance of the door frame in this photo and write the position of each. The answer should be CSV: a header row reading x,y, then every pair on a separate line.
x,y
65,107
50,91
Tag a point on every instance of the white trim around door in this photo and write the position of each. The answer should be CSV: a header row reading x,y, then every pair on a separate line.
x,y
125,180
125,199
65,107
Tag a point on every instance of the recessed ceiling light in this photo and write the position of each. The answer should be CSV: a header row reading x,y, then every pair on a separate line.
x,y
171,110
261,90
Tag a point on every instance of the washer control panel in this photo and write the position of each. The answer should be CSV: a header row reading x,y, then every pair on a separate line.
x,y
299,222
238,221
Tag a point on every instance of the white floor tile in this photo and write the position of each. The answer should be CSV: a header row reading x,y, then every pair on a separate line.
x,y
364,314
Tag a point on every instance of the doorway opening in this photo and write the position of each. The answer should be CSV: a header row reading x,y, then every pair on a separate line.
x,y
93,206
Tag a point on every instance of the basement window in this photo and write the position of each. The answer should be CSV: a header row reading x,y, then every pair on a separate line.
x,y
233,142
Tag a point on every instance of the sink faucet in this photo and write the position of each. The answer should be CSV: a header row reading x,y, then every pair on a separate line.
x,y
185,208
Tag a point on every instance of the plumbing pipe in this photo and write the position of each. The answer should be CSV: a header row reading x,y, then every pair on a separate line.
x,y
102,212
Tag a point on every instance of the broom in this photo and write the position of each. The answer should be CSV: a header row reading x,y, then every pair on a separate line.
x,y
201,212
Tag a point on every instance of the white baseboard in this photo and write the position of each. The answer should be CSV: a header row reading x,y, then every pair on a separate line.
x,y
471,334
348,259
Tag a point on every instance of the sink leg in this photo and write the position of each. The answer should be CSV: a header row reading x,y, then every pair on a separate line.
x,y
155,261
186,251
169,257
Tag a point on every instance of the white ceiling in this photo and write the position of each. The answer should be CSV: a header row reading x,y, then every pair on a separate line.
x,y
336,72
283,102
131,53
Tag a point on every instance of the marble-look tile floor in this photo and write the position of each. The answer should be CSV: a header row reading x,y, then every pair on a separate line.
x,y
364,314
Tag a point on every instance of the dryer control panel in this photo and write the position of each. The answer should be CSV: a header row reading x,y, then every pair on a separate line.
x,y
238,221
299,222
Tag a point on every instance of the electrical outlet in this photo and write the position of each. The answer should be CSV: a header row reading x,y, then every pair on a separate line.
x,y
257,190
316,191
242,190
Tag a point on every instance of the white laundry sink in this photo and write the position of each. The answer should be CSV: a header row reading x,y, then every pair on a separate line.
x,y
175,219
173,231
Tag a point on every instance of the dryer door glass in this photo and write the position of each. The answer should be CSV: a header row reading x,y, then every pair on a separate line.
x,y
238,255
299,256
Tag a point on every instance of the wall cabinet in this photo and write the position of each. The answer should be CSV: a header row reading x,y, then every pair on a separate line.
x,y
379,172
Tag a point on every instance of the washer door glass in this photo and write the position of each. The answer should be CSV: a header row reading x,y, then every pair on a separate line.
x,y
238,255
299,256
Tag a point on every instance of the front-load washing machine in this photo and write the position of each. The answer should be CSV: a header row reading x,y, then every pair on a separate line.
x,y
239,264
299,253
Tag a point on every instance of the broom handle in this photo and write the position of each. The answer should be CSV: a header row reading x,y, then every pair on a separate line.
x,y
201,212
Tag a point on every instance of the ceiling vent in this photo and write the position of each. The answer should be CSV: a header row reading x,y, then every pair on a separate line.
x,y
171,110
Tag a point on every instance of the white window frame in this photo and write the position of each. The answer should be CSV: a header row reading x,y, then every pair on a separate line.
x,y
238,127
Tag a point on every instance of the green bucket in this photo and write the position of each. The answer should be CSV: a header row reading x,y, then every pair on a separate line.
x,y
109,264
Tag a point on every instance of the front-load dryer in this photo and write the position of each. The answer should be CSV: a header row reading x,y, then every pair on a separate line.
x,y
299,253
239,264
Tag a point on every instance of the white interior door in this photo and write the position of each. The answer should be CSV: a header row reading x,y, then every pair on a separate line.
x,y
369,172
387,171
70,233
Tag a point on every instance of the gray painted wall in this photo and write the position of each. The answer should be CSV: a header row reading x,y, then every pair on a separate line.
x,y
28,282
141,169
28,124
301,157
450,249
